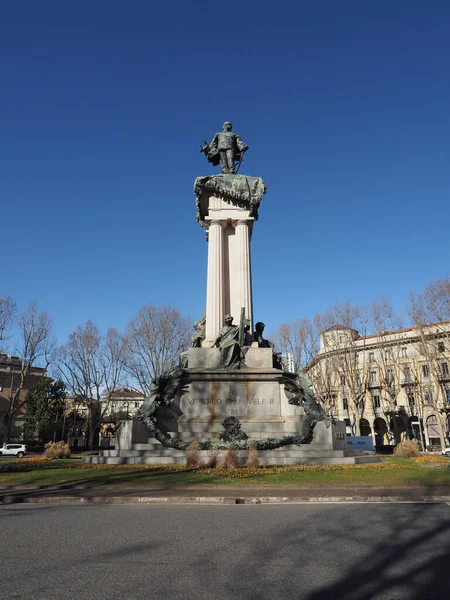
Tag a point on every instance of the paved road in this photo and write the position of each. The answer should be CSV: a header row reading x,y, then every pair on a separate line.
x,y
245,552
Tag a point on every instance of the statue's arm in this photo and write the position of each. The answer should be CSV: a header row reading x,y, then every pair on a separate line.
x,y
215,141
240,144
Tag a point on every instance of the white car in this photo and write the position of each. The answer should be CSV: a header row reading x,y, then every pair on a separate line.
x,y
18,450
446,452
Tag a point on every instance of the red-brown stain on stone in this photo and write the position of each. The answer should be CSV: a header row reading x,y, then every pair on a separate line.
x,y
247,390
212,406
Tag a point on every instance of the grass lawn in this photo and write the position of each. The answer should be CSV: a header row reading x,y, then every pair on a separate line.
x,y
391,472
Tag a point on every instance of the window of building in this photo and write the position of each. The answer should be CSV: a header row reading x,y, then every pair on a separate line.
x,y
444,368
404,352
387,355
447,396
407,373
136,405
429,397
329,381
390,375
362,404
345,403
342,379
373,376
342,339
371,356
376,401
425,371
441,347
411,401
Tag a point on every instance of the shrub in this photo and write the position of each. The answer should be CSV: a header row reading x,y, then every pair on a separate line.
x,y
253,458
193,460
213,458
407,449
230,458
57,450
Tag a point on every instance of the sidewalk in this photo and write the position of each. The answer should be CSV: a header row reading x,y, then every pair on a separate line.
x,y
224,494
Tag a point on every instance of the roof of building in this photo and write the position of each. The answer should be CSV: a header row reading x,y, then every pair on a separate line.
x,y
387,332
338,328
405,330
126,393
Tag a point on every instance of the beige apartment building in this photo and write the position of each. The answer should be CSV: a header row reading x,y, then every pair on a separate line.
x,y
390,385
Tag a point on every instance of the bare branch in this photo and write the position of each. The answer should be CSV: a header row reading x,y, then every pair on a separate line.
x,y
8,310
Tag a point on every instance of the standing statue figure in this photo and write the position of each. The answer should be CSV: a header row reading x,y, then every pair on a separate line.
x,y
228,342
227,148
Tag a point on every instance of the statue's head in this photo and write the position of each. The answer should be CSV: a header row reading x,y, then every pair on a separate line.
x,y
259,327
228,320
227,126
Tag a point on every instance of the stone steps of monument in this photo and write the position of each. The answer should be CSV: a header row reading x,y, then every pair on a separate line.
x,y
265,460
172,452
136,453
136,460
153,445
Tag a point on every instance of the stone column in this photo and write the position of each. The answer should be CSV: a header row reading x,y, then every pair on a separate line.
x,y
240,270
215,282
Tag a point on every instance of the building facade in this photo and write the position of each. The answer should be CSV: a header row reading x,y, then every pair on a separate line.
x,y
391,385
16,380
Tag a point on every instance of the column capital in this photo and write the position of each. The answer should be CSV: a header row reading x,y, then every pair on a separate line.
x,y
242,221
211,221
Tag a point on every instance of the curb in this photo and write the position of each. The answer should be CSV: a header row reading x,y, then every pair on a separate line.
x,y
218,500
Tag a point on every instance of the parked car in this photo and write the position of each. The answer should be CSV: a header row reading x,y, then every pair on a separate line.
x,y
446,452
18,450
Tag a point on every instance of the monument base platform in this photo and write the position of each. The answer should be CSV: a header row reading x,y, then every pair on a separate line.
x,y
289,455
329,446
257,395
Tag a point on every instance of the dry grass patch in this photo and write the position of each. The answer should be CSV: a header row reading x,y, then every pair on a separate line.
x,y
407,449
193,459
229,460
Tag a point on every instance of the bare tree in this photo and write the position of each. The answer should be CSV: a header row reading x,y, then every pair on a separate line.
x,y
430,312
393,370
351,357
331,350
34,347
154,340
8,310
300,339
91,366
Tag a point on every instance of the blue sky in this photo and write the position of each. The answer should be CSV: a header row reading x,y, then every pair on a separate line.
x,y
345,108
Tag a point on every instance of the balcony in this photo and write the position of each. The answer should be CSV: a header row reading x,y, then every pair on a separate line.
x,y
407,381
374,385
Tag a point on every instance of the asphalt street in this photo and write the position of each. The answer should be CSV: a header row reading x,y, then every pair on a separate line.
x,y
248,552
